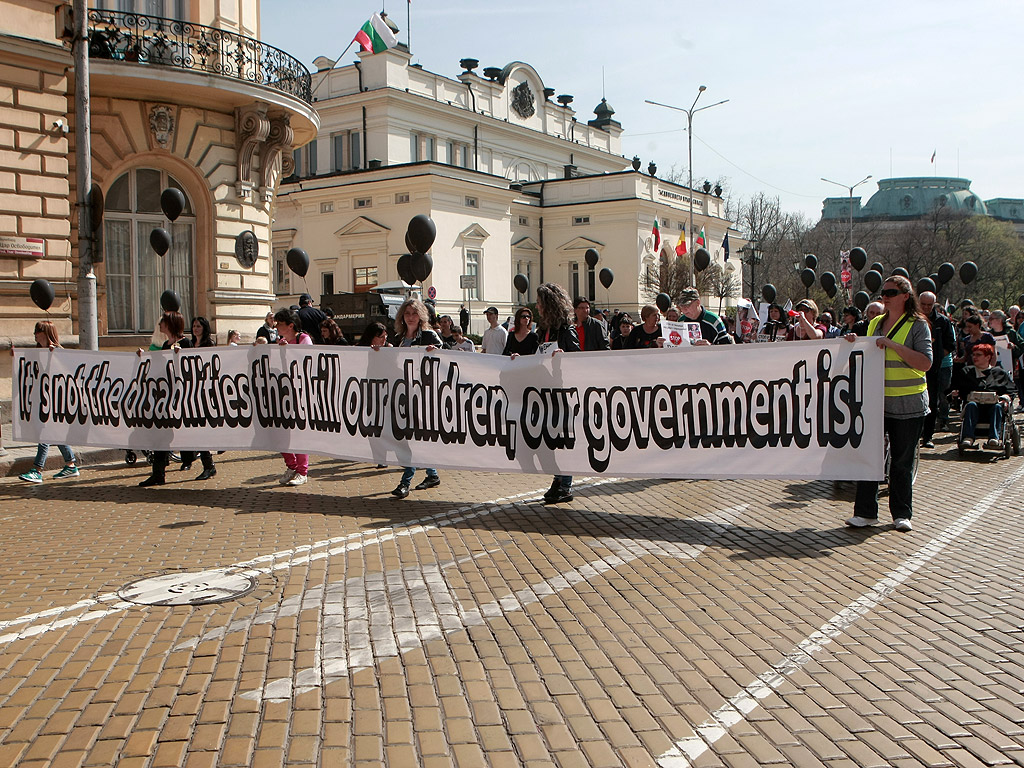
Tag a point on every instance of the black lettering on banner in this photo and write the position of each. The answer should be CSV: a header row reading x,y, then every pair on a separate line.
x,y
28,374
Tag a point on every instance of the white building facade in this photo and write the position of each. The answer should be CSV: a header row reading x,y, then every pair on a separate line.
x,y
512,180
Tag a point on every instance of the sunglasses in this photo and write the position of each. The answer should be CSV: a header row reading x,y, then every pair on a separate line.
x,y
890,292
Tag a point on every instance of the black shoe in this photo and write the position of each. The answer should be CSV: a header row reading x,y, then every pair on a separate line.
x,y
562,495
151,480
430,481
186,466
207,473
927,444
551,493
401,491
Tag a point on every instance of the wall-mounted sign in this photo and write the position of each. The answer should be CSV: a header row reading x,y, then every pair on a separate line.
x,y
22,246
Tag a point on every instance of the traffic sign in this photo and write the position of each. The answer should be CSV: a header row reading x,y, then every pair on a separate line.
x,y
431,292
467,281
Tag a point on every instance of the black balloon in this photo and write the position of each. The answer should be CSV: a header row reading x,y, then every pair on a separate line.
x,y
298,261
811,261
422,264
408,244
160,239
902,272
872,280
768,293
985,304
861,300
877,267
807,277
934,277
1020,300
664,301
701,259
41,293
170,301
968,271
828,283
422,232
606,276
858,258
946,273
591,257
925,284
172,203
521,282
405,270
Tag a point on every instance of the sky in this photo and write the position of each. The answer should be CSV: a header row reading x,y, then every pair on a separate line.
x,y
814,89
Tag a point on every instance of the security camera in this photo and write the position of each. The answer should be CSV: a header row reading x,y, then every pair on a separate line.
x,y
60,125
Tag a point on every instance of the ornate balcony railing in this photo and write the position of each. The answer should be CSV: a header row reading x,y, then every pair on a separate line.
x,y
153,40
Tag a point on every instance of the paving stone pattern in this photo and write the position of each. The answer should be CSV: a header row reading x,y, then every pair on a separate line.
x,y
647,623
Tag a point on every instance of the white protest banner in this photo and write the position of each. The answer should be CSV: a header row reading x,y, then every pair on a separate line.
x,y
1004,354
805,410
679,334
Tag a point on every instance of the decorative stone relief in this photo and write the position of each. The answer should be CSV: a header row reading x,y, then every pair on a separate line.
x,y
277,147
523,100
161,125
252,126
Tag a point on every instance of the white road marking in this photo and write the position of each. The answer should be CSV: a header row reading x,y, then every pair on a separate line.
x,y
110,602
365,619
685,751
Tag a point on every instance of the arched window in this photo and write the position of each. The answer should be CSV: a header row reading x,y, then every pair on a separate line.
x,y
136,275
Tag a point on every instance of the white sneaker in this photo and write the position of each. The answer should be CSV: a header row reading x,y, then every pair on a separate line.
x,y
297,480
286,477
993,443
903,524
861,522
967,442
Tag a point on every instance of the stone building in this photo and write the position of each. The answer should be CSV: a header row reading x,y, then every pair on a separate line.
x,y
513,180
184,95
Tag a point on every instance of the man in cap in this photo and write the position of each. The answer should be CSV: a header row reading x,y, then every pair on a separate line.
x,y
311,318
493,342
590,332
807,325
712,329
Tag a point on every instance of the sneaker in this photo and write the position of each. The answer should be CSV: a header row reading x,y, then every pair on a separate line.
x,y
286,477
993,443
903,524
68,471
967,442
430,481
297,480
32,476
861,522
401,491
927,444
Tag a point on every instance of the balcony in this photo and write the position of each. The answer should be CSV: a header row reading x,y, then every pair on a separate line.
x,y
194,64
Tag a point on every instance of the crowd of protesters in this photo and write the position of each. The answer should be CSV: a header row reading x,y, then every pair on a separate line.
x,y
933,354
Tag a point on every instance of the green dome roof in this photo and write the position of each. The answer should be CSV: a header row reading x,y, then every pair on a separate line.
x,y
910,197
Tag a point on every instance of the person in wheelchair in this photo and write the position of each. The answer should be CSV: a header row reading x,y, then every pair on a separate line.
x,y
983,376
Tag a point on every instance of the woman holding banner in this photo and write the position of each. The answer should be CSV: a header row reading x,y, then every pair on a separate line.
x,y
172,326
289,331
412,329
556,332
521,339
905,336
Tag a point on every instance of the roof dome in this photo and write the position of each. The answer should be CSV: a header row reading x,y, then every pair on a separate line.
x,y
604,114
918,196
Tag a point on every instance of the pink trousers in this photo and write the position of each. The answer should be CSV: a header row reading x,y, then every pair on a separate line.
x,y
298,462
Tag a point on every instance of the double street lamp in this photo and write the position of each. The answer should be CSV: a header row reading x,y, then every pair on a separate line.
x,y
851,188
689,134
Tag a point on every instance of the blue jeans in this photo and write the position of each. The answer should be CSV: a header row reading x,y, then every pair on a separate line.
x,y
975,412
44,450
564,481
408,472
903,437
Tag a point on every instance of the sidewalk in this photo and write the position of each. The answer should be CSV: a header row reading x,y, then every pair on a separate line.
x,y
18,457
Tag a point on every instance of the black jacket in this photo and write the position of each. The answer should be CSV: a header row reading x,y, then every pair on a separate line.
x,y
594,335
311,318
943,338
564,334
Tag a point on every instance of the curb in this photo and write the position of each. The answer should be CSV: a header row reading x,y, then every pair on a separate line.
x,y
21,459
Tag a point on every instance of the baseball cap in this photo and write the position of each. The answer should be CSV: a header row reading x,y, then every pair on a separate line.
x,y
807,304
688,295
305,299
491,309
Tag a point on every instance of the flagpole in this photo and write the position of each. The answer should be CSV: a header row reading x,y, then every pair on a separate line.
x,y
408,25
328,72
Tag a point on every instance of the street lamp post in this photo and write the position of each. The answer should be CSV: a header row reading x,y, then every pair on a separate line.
x,y
851,188
689,135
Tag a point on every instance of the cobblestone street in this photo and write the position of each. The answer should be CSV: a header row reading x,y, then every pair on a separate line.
x,y
646,623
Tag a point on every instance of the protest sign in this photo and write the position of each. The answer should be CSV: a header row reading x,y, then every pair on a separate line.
x,y
805,410
679,334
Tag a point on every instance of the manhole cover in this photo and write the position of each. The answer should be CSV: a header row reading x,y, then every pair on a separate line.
x,y
214,586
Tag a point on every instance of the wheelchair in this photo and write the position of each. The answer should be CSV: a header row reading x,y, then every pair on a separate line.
x,y
1009,438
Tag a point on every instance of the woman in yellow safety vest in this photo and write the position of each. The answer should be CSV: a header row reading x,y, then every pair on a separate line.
x,y
905,335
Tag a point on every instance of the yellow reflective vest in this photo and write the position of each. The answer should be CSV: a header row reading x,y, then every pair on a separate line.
x,y
901,379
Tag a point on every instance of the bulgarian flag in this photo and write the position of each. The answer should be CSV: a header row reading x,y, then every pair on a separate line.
x,y
681,245
656,234
375,35
701,240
